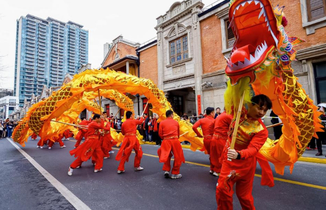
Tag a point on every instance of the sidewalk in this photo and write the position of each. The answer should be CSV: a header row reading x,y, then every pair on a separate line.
x,y
310,156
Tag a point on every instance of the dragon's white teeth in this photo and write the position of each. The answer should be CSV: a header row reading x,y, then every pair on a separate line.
x,y
246,62
265,44
261,12
249,2
256,2
244,3
252,58
261,5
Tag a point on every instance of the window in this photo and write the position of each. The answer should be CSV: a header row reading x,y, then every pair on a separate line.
x,y
320,76
179,49
229,35
316,9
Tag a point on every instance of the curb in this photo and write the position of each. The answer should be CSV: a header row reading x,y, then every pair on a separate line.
x,y
312,160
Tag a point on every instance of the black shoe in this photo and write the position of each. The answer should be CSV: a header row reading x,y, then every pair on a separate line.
x,y
319,154
167,174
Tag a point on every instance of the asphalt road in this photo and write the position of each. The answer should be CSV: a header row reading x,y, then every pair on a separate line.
x,y
22,186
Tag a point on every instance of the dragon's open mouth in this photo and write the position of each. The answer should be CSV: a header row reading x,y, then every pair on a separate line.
x,y
255,30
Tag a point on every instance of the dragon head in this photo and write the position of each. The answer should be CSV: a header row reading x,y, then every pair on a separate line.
x,y
255,27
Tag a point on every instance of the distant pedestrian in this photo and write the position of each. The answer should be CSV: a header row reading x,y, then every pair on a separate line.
x,y
217,112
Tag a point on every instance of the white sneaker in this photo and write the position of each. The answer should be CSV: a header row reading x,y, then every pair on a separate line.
x,y
111,152
139,168
167,174
95,171
63,146
120,172
215,174
210,171
37,146
176,176
41,147
78,167
49,147
70,170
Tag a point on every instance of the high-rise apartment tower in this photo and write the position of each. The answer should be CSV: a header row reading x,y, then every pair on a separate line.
x,y
46,50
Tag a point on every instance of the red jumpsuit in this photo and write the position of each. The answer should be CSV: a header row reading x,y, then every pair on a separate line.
x,y
169,132
130,142
91,147
251,136
81,133
106,140
34,136
41,142
67,134
207,126
221,128
58,139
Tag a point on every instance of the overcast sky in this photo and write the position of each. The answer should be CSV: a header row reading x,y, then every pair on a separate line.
x,y
105,20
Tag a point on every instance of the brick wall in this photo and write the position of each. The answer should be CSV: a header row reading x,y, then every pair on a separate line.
x,y
211,43
123,50
294,28
148,64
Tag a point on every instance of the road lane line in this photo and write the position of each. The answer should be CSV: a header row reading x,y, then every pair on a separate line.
x,y
74,200
296,182
256,175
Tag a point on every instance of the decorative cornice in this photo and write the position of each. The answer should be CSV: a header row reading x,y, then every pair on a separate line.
x,y
187,9
184,77
224,12
174,19
311,52
212,74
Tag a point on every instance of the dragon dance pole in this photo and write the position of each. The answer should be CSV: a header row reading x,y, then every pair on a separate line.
x,y
235,131
116,113
144,109
274,125
184,133
78,126
100,102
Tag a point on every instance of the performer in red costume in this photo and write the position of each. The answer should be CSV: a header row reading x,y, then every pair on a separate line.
x,y
41,143
207,126
67,134
106,137
169,132
251,136
130,142
34,136
221,127
82,132
91,147
57,139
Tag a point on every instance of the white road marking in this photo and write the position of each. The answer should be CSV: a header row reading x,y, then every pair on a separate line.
x,y
74,200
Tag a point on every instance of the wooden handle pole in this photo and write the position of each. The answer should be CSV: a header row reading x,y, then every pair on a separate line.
x,y
144,109
235,131
184,133
116,113
78,126
100,102
274,125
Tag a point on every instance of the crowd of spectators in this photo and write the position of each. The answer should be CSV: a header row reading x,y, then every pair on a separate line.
x,y
7,127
